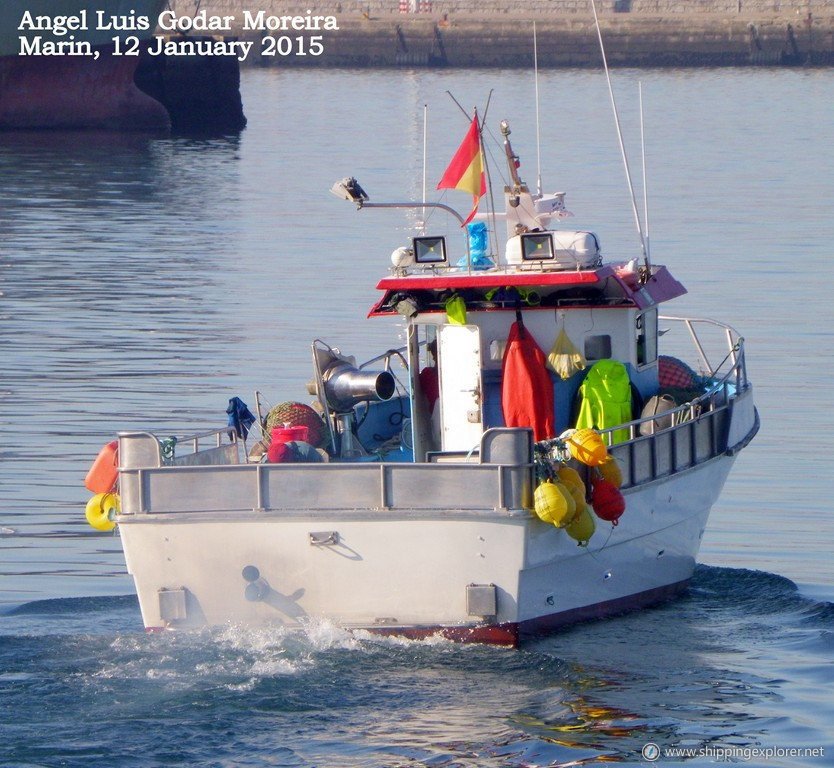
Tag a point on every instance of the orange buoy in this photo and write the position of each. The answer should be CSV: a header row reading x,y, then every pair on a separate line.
x,y
607,501
586,445
105,469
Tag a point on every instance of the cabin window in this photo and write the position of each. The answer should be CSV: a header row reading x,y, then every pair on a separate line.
x,y
428,350
598,347
427,364
425,387
646,337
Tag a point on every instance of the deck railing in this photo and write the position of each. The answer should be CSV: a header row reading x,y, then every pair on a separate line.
x,y
216,446
697,430
499,479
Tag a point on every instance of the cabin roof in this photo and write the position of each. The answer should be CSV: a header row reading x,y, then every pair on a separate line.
x,y
606,285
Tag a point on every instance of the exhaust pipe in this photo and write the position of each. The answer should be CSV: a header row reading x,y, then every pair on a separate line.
x,y
345,386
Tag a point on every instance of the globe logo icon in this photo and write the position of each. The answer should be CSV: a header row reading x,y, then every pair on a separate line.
x,y
651,752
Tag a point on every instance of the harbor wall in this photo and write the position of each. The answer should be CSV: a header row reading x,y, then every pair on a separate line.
x,y
462,33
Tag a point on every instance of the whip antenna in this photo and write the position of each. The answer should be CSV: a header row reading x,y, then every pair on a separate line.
x,y
425,137
647,240
538,121
620,137
493,241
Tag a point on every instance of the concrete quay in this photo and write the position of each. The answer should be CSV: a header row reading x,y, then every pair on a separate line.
x,y
463,33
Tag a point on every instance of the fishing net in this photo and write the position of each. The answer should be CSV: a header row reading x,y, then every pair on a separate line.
x,y
291,414
564,358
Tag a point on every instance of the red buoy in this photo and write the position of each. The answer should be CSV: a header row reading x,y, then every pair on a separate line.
x,y
105,470
607,501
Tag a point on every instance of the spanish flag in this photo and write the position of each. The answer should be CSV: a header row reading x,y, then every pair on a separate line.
x,y
466,171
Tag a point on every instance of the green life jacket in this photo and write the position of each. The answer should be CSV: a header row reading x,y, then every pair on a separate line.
x,y
606,398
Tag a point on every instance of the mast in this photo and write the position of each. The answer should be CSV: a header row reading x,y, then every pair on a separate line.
x,y
647,240
538,119
512,163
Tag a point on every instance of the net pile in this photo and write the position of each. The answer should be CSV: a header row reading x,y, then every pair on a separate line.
x,y
291,414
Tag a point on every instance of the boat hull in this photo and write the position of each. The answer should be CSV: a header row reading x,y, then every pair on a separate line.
x,y
412,572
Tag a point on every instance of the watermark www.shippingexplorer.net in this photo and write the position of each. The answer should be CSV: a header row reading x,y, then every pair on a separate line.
x,y
653,752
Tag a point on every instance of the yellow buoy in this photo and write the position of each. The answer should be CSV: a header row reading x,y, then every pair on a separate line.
x,y
554,504
569,500
582,527
571,480
611,471
578,495
569,476
586,445
100,511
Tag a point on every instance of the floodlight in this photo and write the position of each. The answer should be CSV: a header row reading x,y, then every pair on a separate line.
x,y
429,250
349,189
537,246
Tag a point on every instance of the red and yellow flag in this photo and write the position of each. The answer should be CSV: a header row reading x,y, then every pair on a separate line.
x,y
466,171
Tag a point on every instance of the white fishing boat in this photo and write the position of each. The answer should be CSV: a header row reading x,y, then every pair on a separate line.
x,y
414,495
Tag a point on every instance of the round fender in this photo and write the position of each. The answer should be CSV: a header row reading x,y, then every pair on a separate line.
x,y
100,511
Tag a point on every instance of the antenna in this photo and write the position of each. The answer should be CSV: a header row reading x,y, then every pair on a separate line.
x,y
425,136
620,137
468,116
493,241
538,121
646,240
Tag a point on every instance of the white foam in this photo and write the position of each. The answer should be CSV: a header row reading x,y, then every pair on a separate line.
x,y
324,635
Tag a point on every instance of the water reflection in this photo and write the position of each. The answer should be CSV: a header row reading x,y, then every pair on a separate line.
x,y
110,297
147,280
694,673
678,675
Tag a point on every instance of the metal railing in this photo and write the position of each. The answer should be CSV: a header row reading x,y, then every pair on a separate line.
x,y
147,449
499,483
697,430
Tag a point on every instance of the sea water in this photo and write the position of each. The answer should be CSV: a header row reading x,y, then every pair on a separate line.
x,y
145,281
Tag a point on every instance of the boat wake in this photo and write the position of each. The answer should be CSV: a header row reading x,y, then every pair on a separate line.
x,y
595,692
